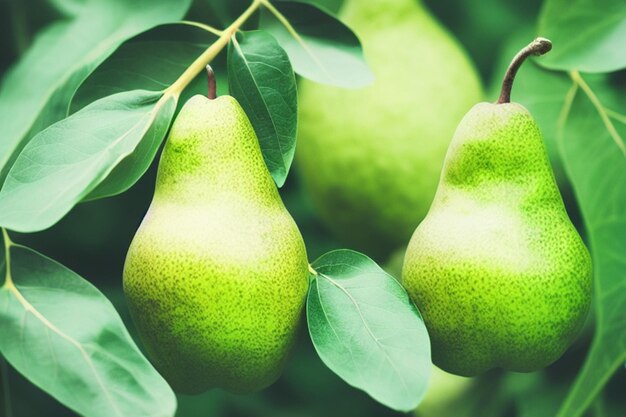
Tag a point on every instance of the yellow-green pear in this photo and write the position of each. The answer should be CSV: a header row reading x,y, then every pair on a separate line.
x,y
216,275
500,275
370,158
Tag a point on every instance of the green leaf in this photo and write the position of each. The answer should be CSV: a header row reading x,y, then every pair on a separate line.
x,y
150,61
64,163
37,91
227,11
134,164
69,7
260,77
319,46
596,164
332,6
62,334
588,35
365,328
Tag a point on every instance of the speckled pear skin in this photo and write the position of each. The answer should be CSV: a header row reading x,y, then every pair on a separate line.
x,y
370,158
502,278
217,273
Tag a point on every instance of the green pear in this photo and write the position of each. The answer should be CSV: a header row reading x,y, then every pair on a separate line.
x,y
370,158
217,274
498,271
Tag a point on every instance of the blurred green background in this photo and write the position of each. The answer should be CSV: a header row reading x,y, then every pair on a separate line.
x,y
92,240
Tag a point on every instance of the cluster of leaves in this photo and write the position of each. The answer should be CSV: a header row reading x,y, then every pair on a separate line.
x,y
97,132
88,126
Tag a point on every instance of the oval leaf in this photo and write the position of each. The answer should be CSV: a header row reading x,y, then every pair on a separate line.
x,y
64,163
588,35
37,91
261,79
62,334
320,47
228,11
333,6
365,328
596,164
68,7
151,61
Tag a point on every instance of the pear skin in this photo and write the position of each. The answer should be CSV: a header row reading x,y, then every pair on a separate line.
x,y
216,276
498,271
370,158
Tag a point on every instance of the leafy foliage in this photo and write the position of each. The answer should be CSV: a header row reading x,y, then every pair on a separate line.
x,y
68,7
227,11
90,363
305,32
261,79
597,166
586,34
366,329
73,343
68,160
151,61
60,59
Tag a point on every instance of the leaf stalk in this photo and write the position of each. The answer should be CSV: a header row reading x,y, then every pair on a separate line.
x,y
211,52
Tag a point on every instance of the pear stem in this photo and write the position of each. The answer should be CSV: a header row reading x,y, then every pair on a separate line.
x,y
212,93
539,46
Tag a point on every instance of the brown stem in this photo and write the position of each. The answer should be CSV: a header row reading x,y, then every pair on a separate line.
x,y
539,46
212,94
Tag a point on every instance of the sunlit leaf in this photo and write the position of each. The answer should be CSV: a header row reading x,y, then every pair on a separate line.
x,y
261,79
596,166
319,46
64,163
150,61
68,7
332,6
365,329
227,11
62,334
37,91
588,35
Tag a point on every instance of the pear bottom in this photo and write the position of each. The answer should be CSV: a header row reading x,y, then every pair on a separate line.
x,y
217,293
490,295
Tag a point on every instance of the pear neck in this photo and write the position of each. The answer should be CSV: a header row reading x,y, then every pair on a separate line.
x,y
213,151
204,173
496,146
